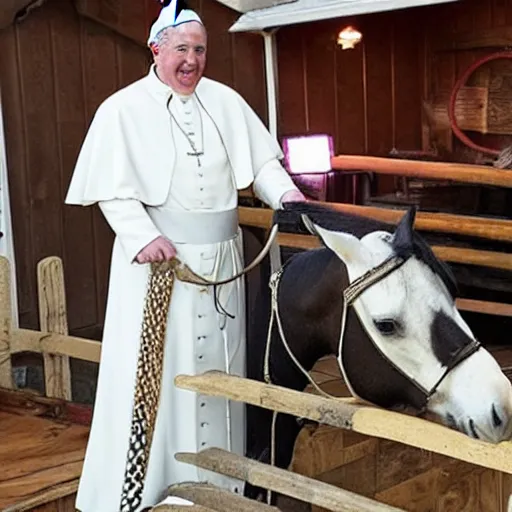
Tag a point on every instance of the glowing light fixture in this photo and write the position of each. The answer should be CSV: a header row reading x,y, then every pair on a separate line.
x,y
349,37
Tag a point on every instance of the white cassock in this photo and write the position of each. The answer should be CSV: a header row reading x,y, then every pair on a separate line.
x,y
137,161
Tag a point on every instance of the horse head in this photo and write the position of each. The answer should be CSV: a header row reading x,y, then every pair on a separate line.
x,y
419,351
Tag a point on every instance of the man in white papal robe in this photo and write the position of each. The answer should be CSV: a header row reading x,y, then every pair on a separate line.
x,y
164,158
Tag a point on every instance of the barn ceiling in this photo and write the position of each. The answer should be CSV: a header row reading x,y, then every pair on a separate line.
x,y
251,5
301,11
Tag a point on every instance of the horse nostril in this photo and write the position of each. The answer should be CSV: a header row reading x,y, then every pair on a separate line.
x,y
473,429
496,420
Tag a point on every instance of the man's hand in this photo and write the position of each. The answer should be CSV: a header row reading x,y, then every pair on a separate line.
x,y
292,196
160,249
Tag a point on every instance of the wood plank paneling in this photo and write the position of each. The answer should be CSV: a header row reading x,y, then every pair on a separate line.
x,y
56,68
406,80
378,50
16,145
368,98
248,48
217,21
99,57
36,71
292,81
378,47
71,123
321,91
350,101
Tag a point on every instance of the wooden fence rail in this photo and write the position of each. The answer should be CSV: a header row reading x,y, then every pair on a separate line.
x,y
262,218
480,227
464,173
278,480
346,413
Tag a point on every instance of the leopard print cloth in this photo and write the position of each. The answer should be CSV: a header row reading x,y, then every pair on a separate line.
x,y
148,382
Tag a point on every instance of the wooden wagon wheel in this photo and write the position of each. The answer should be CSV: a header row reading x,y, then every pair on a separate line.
x,y
453,98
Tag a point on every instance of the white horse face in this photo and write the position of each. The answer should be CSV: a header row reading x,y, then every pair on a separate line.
x,y
411,317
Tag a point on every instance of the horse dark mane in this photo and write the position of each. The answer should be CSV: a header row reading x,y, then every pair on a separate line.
x,y
404,245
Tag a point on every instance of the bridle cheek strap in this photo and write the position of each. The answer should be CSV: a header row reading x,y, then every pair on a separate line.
x,y
352,292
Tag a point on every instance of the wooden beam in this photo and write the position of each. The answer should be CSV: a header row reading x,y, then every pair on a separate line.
x,y
53,318
480,227
251,5
217,499
475,257
26,340
464,173
284,482
485,307
6,379
364,419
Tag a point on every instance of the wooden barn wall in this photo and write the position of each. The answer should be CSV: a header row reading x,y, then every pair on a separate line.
x,y
457,35
367,98
370,98
55,68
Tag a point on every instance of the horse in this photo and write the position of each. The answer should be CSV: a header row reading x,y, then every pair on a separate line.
x,y
398,337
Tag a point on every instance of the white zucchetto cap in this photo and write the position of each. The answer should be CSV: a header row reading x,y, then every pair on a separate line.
x,y
172,15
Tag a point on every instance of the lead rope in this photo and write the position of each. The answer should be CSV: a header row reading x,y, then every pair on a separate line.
x,y
274,315
350,294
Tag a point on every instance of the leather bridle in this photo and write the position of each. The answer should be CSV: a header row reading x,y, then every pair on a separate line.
x,y
350,294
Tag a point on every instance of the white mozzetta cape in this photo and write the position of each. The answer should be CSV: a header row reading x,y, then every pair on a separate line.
x,y
122,159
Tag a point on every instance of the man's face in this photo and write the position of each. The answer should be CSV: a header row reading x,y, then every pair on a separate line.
x,y
181,57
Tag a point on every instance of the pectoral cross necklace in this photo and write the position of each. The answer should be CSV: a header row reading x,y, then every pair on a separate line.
x,y
195,152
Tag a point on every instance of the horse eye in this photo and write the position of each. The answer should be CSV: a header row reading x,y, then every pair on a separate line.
x,y
386,327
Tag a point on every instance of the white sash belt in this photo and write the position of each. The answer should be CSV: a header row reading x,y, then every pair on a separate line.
x,y
195,227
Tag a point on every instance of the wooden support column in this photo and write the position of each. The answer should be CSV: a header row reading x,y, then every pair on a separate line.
x,y
53,319
6,380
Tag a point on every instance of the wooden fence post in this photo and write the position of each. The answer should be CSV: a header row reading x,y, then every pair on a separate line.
x,y
6,379
53,318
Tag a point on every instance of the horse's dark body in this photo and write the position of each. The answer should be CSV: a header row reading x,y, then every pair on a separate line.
x,y
310,306
310,290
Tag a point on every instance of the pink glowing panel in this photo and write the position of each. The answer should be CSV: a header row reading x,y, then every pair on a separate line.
x,y
308,154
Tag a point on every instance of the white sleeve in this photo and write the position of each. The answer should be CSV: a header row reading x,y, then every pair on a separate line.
x,y
131,224
271,183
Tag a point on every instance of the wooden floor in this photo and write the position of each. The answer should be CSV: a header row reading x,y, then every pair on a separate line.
x,y
41,454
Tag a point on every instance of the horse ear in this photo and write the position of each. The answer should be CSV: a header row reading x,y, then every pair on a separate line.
x,y
404,234
347,247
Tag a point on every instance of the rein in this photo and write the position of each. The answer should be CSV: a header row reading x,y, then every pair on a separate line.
x,y
185,274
